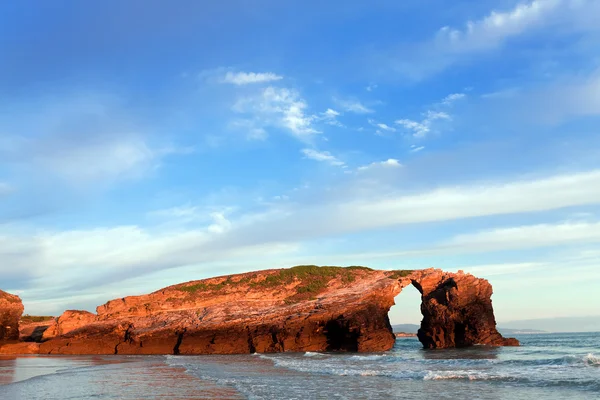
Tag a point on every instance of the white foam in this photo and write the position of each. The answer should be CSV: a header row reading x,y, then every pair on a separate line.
x,y
369,358
591,359
314,354
470,375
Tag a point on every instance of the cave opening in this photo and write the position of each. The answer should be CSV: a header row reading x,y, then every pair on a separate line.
x,y
405,315
340,337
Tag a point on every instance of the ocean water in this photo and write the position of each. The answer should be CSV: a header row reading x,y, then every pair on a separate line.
x,y
546,366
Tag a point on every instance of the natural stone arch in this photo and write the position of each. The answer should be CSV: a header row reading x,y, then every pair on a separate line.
x,y
457,310
406,309
305,308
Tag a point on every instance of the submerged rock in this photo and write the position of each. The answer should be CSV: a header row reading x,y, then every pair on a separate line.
x,y
305,308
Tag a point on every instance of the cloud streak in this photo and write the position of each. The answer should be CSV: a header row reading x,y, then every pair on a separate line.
x,y
246,78
322,156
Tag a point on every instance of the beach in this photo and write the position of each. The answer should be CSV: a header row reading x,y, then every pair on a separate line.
x,y
549,366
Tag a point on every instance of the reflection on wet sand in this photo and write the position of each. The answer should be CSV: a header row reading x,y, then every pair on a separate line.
x,y
121,377
7,370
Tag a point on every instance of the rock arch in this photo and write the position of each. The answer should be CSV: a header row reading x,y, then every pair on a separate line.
x,y
305,308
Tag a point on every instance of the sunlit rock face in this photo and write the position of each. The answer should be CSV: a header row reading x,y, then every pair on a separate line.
x,y
305,308
11,309
457,311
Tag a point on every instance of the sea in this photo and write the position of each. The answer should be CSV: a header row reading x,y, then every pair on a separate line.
x,y
546,366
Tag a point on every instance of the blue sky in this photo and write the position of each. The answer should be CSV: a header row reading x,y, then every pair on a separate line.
x,y
148,143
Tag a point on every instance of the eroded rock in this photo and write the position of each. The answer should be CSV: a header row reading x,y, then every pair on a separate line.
x,y
457,311
305,308
11,309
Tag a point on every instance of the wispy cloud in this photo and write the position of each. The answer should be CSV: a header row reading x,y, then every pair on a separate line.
x,y
415,149
504,93
389,163
422,128
322,156
92,160
451,98
330,116
353,106
492,30
83,140
381,126
529,236
246,78
280,107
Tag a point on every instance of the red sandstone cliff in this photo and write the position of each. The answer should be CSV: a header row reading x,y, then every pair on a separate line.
x,y
11,309
304,308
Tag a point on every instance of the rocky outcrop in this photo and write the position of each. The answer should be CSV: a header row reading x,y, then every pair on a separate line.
x,y
67,322
457,311
304,308
11,309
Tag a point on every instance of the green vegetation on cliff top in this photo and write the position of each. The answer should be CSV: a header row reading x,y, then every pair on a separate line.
x,y
35,318
313,279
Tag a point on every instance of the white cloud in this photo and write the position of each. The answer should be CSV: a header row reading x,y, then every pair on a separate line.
x,y
529,236
90,162
371,87
353,106
451,98
420,129
82,140
245,78
279,107
416,149
382,126
492,30
477,200
389,163
323,156
329,116
220,223
186,211
331,113
504,93
95,257
87,159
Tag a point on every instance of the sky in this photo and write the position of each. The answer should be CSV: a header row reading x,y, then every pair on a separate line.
x,y
147,143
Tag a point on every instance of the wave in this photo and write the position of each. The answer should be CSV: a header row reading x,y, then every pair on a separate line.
x,y
314,354
470,375
372,357
592,360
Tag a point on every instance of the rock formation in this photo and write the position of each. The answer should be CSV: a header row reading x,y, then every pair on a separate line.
x,y
305,308
11,309
457,311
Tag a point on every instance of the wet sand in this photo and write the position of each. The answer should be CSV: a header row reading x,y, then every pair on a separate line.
x,y
102,377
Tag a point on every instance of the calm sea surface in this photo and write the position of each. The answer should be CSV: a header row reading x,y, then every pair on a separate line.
x,y
549,366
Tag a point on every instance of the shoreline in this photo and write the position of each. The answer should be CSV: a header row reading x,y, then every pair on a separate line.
x,y
111,376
